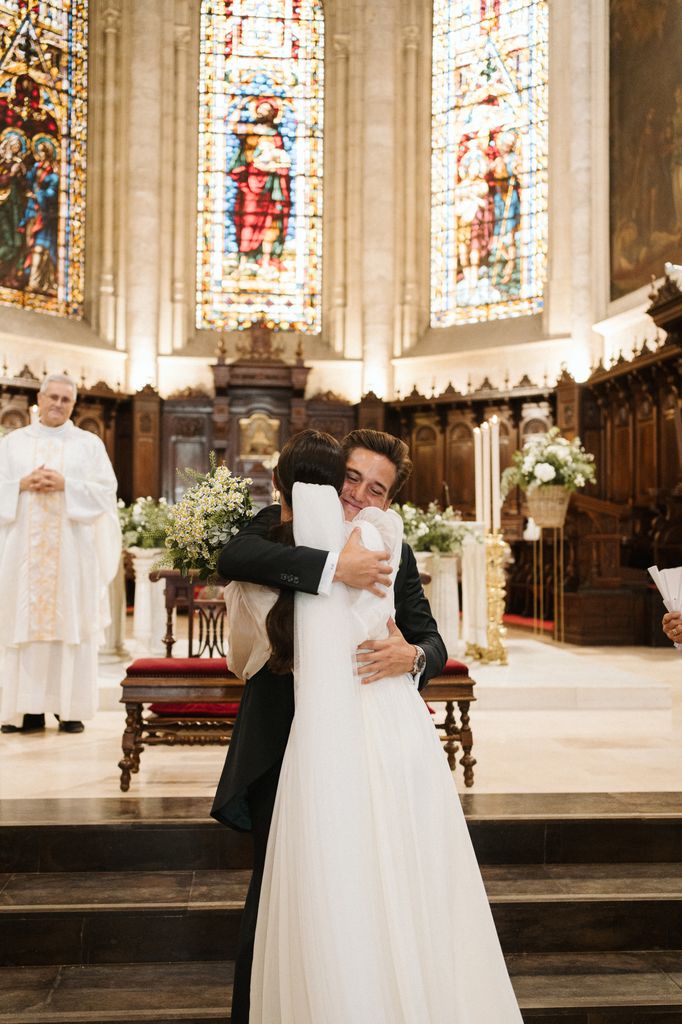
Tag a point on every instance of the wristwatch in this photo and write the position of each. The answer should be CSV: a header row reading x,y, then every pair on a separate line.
x,y
419,662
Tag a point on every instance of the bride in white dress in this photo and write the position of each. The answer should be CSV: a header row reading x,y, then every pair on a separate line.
x,y
372,909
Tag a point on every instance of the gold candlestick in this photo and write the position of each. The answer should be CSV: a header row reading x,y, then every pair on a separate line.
x,y
497,553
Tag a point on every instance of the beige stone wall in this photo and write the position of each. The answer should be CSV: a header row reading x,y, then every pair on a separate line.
x,y
139,325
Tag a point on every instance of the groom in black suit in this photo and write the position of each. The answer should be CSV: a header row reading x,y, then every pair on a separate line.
x,y
377,465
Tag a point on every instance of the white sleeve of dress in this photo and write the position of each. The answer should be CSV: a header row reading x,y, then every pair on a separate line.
x,y
378,530
248,645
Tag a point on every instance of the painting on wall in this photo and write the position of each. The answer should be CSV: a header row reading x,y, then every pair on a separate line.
x,y
489,146
43,121
259,239
645,140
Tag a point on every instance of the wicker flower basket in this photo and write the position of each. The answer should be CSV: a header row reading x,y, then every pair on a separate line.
x,y
548,505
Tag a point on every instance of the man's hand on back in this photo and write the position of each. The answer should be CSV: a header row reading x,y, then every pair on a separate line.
x,y
361,568
390,657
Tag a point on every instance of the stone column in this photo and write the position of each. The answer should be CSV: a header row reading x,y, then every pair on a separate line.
x,y
146,111
340,172
111,19
180,189
379,194
406,333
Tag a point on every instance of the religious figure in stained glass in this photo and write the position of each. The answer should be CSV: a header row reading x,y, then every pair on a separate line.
x,y
43,83
261,168
260,174
489,159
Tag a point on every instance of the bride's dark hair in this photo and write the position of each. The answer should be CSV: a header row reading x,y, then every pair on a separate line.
x,y
311,457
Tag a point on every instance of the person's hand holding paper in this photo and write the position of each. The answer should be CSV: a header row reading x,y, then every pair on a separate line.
x,y
669,583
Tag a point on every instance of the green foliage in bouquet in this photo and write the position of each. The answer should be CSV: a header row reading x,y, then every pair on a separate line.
x,y
436,529
143,524
213,509
549,459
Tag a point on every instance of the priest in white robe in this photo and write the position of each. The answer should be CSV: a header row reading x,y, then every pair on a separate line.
x,y
60,545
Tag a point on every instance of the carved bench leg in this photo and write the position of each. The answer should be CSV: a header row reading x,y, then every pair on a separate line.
x,y
130,743
451,732
466,738
139,723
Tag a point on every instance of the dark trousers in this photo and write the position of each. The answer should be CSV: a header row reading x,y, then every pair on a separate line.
x,y
261,797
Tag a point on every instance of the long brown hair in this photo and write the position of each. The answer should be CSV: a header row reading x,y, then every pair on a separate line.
x,y
310,457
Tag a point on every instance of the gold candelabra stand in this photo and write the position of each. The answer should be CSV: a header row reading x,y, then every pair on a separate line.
x,y
497,553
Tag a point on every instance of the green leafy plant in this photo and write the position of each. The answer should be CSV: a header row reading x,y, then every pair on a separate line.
x,y
143,524
435,529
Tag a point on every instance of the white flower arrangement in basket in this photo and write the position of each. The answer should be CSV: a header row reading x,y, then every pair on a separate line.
x,y
214,508
549,460
549,468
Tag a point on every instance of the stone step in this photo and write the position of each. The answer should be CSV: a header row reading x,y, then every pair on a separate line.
x,y
623,988
117,917
176,834
119,993
599,988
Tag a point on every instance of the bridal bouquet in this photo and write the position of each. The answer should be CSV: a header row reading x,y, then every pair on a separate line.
x,y
549,460
143,524
214,508
436,529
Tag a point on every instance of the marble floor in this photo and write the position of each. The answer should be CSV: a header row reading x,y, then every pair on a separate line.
x,y
586,745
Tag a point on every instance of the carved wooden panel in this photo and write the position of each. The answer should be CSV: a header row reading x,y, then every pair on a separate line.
x,y
427,456
669,446
459,462
620,461
186,441
645,455
14,411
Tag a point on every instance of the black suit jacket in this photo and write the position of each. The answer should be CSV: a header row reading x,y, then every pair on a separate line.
x,y
267,708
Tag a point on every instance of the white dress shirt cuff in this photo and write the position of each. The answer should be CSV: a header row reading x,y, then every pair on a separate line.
x,y
327,577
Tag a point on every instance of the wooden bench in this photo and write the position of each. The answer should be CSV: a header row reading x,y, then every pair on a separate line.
x,y
192,701
199,700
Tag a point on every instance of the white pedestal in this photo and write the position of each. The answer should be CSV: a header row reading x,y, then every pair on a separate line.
x,y
474,596
445,600
425,564
114,634
149,618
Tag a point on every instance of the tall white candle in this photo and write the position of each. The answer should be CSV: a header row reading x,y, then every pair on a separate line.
x,y
34,414
495,471
478,473
485,435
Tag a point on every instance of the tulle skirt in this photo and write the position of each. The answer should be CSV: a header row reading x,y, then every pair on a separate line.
x,y
373,909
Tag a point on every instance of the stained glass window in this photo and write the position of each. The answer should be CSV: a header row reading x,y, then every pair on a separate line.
x,y
489,159
43,127
259,241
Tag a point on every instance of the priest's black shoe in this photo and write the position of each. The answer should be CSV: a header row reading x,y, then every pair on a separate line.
x,y
70,726
31,723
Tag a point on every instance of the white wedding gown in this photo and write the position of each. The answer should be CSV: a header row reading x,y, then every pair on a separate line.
x,y
372,909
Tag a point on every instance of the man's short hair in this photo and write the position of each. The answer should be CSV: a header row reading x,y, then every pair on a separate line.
x,y
395,450
58,378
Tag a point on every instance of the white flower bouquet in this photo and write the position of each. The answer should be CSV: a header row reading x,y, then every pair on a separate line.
x,y
435,529
549,460
143,524
214,508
